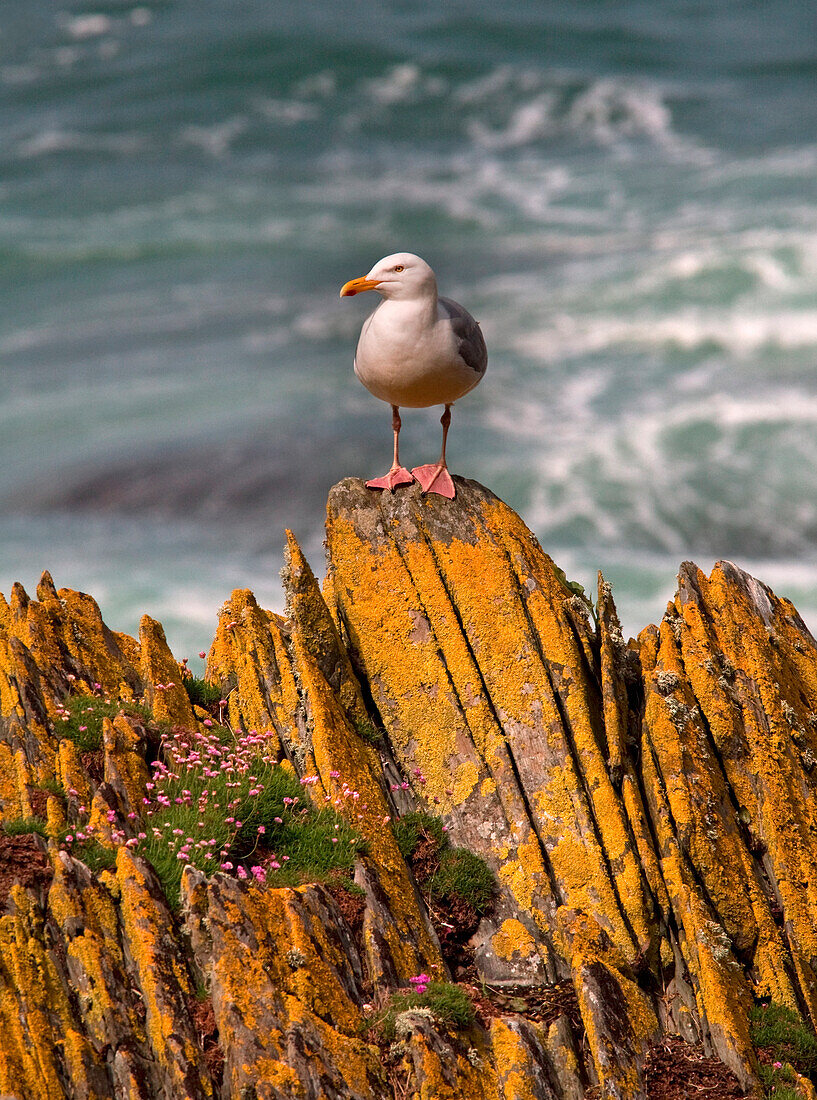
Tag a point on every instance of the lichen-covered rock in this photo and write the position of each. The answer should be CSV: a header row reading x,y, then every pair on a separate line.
x,y
647,810
478,667
286,984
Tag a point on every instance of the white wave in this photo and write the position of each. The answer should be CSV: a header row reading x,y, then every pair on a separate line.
x,y
90,25
46,142
289,111
402,83
741,333
217,139
19,74
510,108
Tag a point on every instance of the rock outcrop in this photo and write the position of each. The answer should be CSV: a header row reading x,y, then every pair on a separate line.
x,y
646,810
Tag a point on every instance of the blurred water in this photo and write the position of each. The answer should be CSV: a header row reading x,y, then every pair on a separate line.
x,y
624,194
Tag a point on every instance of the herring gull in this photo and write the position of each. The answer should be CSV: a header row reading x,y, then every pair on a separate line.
x,y
416,350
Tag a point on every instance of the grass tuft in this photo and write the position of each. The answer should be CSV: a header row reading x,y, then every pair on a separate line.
x,y
83,716
201,692
95,856
463,875
411,828
20,826
448,1003
219,806
785,1036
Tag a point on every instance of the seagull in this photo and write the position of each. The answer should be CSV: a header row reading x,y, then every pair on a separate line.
x,y
416,350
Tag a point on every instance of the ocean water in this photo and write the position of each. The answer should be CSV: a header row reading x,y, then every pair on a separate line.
x,y
623,193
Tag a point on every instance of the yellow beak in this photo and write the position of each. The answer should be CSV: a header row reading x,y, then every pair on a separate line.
x,y
357,286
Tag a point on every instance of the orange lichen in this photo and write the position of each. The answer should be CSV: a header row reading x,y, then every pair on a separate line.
x,y
163,979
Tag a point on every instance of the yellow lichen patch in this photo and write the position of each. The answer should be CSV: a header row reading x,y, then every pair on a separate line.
x,y
513,940
437,1069
41,1043
487,787
10,804
281,983
269,1079
619,1021
466,777
336,747
164,691
54,815
516,1056
71,773
97,963
125,767
249,661
163,979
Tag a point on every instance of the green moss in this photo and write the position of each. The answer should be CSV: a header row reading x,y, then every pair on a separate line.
x,y
368,731
465,876
784,1037
53,786
449,1004
201,692
446,873
20,826
410,829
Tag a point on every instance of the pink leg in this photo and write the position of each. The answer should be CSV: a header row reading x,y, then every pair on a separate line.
x,y
436,479
397,475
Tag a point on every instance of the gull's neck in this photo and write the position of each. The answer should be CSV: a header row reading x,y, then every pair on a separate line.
x,y
421,307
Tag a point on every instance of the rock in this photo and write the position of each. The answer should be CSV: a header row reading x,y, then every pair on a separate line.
x,y
646,809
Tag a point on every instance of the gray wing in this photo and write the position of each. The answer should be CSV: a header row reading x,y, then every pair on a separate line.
x,y
470,343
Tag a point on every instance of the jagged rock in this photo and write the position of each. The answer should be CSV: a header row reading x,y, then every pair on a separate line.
x,y
647,809
479,670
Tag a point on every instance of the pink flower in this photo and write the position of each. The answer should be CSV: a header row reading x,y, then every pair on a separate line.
x,y
262,829
202,654
241,873
226,866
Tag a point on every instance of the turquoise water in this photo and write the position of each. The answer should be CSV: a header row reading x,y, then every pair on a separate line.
x,y
624,194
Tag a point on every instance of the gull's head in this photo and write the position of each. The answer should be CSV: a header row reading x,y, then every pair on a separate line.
x,y
401,276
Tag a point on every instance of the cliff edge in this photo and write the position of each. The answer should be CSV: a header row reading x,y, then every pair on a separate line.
x,y
437,832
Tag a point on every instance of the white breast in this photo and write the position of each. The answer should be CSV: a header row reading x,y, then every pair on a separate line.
x,y
407,355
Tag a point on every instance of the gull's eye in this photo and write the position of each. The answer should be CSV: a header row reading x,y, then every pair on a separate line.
x,y
399,267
